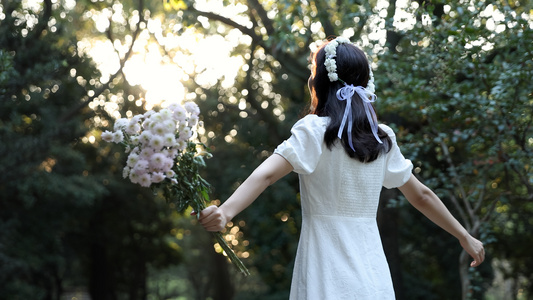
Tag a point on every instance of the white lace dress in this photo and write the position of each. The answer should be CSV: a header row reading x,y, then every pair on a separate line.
x,y
340,255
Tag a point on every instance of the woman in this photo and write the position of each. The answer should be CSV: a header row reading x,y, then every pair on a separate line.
x,y
343,158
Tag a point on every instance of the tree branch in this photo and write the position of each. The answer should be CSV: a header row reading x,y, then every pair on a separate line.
x,y
285,60
43,20
262,14
461,211
229,22
525,181
481,196
393,37
325,20
488,214
456,181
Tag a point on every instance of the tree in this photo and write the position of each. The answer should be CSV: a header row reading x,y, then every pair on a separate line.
x,y
450,108
412,45
460,86
59,221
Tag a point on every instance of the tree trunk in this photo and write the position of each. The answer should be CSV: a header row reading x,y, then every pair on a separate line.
x,y
463,275
222,285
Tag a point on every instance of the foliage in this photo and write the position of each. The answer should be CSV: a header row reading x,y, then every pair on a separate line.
x,y
460,89
448,78
65,221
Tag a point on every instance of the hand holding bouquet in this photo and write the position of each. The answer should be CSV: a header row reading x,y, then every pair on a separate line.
x,y
162,154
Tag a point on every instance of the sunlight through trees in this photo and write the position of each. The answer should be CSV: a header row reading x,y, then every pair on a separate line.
x,y
452,79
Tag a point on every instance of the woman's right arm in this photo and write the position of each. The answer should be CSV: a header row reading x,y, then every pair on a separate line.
x,y
428,203
215,218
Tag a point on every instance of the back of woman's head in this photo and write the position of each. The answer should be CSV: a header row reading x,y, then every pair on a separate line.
x,y
352,68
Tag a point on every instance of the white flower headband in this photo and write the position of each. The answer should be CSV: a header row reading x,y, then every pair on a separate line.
x,y
347,91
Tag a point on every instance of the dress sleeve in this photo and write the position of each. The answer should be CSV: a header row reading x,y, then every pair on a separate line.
x,y
304,147
397,167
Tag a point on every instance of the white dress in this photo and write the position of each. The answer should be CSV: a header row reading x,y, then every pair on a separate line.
x,y
340,255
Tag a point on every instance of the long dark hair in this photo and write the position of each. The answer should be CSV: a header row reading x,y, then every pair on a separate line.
x,y
352,68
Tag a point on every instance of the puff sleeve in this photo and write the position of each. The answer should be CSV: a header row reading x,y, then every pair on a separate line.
x,y
305,145
397,167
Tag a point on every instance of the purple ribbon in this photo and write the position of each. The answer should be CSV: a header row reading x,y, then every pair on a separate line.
x,y
346,93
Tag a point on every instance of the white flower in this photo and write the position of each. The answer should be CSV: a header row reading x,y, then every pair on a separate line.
x,y
180,114
118,137
147,123
331,67
159,129
185,134
181,145
146,153
125,172
169,140
121,124
134,140
148,114
157,177
170,125
192,108
132,160
182,126
165,114
173,152
370,86
136,119
331,53
157,161
134,178
156,142
107,136
174,106
153,123
342,40
157,117
168,163
145,137
193,120
145,180
170,173
133,128
141,166
331,49
333,77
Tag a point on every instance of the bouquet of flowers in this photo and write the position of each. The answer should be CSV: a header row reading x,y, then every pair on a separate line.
x,y
162,154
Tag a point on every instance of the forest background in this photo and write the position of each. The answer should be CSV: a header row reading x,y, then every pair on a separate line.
x,y
453,79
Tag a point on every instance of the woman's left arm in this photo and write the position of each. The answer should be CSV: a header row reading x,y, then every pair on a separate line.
x,y
428,203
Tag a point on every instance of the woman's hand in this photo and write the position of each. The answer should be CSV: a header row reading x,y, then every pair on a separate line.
x,y
475,248
213,218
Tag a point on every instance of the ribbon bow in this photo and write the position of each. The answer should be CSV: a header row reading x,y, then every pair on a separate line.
x,y
346,93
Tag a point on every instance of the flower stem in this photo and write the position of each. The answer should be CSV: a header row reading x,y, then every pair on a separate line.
x,y
232,256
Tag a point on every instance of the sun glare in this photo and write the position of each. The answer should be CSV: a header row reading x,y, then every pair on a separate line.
x,y
206,58
162,82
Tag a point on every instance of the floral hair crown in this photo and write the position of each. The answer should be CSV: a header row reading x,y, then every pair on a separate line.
x,y
346,92
331,64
